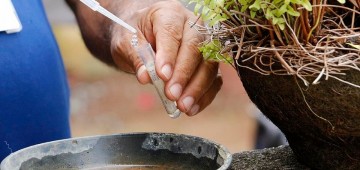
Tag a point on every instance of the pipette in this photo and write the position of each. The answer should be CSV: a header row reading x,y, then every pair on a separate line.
x,y
147,55
94,5
145,52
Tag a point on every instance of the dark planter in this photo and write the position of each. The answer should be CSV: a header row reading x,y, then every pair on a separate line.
x,y
315,142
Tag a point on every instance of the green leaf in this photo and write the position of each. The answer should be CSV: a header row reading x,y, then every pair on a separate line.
x,y
197,8
277,1
217,10
255,6
354,46
209,16
243,2
281,20
275,20
216,20
292,12
306,4
205,12
229,4
220,3
211,51
212,4
268,14
341,1
295,1
281,11
244,8
282,26
252,14
263,6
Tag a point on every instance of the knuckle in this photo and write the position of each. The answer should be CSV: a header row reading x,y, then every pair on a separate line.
x,y
197,39
173,30
116,47
118,43
124,59
184,73
193,44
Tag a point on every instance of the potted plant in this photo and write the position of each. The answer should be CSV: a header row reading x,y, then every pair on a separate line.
x,y
299,61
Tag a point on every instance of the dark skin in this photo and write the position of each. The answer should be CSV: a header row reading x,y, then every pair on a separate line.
x,y
189,80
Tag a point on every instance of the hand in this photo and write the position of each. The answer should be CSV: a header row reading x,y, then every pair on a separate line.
x,y
189,80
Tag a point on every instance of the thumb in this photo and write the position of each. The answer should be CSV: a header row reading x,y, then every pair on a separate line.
x,y
142,75
126,54
141,71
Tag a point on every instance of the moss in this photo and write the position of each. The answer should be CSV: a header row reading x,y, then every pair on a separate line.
x,y
272,158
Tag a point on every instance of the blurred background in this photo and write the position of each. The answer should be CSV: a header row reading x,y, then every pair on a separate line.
x,y
106,101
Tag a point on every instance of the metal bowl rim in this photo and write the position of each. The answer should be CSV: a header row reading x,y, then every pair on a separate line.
x,y
224,152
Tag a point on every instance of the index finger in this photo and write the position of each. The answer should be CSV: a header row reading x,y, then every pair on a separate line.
x,y
187,61
168,26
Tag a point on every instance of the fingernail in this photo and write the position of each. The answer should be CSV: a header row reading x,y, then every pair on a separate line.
x,y
194,110
166,71
188,102
176,90
141,70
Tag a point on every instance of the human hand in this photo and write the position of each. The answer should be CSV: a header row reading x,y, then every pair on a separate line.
x,y
189,80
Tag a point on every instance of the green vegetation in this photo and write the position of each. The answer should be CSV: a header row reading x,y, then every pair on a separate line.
x,y
212,51
309,38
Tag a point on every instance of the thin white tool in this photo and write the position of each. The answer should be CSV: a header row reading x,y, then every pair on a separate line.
x,y
94,5
147,55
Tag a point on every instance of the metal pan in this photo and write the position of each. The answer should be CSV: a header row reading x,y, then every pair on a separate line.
x,y
123,151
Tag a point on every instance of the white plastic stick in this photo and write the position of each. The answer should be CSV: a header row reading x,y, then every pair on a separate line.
x,y
147,55
94,5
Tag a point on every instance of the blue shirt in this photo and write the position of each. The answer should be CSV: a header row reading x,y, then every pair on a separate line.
x,y
34,95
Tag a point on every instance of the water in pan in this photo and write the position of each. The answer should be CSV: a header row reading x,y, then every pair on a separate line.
x,y
158,160
127,167
139,167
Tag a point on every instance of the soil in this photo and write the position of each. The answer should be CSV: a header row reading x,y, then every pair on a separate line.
x,y
271,158
333,143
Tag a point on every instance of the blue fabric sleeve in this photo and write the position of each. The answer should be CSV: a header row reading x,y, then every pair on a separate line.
x,y
34,94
